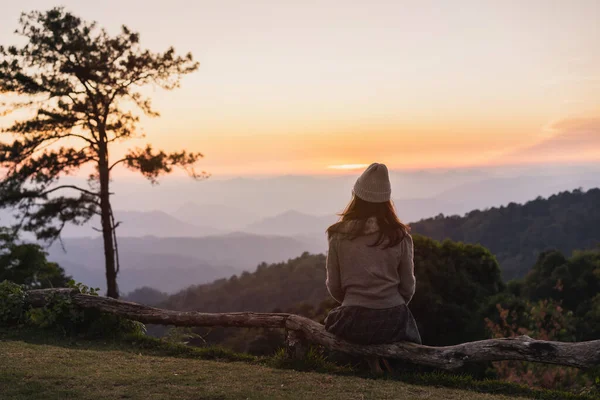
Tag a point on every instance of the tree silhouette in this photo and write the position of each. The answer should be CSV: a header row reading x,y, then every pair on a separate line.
x,y
83,89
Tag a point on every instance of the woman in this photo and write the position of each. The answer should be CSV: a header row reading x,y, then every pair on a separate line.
x,y
370,268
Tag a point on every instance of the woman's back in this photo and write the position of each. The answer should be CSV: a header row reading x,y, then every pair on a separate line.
x,y
369,276
370,267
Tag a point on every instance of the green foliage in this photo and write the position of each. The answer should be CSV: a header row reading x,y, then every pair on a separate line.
x,y
12,303
558,300
60,315
83,289
573,282
516,233
454,280
543,320
26,264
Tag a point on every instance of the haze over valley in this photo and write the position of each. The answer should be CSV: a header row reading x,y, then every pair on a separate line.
x,y
220,227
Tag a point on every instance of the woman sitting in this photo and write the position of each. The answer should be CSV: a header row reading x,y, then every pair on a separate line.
x,y
370,268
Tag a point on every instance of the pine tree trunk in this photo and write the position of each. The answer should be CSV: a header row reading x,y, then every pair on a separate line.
x,y
107,227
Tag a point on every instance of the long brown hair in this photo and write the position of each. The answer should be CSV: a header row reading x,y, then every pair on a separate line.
x,y
391,230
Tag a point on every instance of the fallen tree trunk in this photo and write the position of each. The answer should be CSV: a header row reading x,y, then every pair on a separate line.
x,y
151,315
524,348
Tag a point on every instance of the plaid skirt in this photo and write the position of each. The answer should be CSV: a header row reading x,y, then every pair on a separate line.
x,y
373,326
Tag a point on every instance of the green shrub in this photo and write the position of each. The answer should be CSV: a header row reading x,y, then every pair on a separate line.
x,y
12,303
61,315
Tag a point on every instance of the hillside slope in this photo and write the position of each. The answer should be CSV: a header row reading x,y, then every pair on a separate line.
x,y
454,281
34,371
517,233
171,264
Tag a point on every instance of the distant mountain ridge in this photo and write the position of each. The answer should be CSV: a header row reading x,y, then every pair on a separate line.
x,y
143,223
291,223
242,201
170,264
223,217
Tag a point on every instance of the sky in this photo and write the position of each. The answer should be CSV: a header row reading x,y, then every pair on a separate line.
x,y
296,87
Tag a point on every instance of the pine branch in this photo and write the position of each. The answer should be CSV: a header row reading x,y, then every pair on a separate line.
x,y
43,194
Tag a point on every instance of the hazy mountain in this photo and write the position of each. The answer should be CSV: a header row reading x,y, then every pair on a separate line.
x,y
219,216
498,191
262,197
143,223
250,199
456,201
140,265
415,209
292,223
169,264
168,273
195,220
478,195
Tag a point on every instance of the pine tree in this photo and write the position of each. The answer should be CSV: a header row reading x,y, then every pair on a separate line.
x,y
82,87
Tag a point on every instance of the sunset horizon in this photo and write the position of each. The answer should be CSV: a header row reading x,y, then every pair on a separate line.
x,y
414,86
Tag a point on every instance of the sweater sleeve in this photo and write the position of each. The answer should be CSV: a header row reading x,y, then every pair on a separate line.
x,y
406,270
334,281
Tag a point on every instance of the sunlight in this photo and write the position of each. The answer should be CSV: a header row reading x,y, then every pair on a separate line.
x,y
348,166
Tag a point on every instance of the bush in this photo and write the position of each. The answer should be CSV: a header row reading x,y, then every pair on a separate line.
x,y
12,303
542,320
61,315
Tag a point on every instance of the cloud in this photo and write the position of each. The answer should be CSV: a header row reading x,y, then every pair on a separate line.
x,y
574,139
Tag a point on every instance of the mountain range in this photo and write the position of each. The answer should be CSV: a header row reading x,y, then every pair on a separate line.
x,y
190,239
170,264
199,220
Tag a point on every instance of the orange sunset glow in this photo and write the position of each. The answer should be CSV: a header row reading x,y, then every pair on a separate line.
x,y
288,87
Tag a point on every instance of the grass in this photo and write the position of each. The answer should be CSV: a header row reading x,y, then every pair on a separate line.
x,y
34,366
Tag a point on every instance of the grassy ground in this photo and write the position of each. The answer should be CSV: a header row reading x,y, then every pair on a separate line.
x,y
36,371
42,367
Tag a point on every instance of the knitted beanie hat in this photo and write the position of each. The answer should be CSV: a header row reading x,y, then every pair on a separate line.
x,y
374,184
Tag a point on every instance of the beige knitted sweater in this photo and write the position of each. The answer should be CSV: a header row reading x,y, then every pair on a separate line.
x,y
372,277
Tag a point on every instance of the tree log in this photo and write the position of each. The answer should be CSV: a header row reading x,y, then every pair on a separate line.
x,y
301,330
152,315
524,348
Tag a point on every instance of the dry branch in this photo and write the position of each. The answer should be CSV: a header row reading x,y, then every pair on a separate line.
x,y
580,355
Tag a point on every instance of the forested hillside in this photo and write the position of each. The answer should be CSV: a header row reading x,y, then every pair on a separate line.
x,y
454,281
516,234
